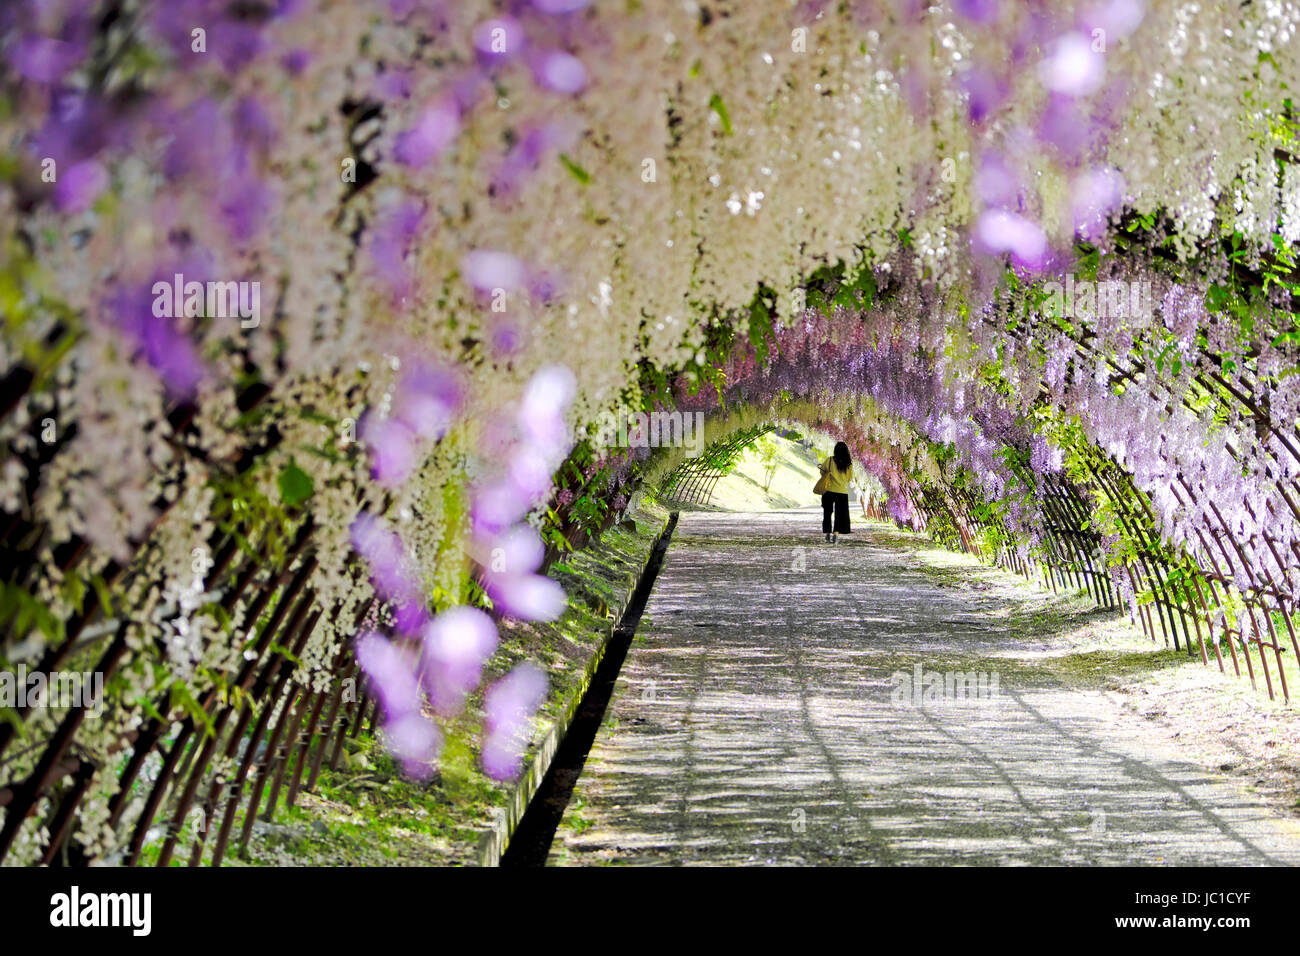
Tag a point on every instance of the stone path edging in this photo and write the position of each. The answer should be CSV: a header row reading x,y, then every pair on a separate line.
x,y
493,843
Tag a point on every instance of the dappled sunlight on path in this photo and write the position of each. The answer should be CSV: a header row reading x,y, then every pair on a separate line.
x,y
770,712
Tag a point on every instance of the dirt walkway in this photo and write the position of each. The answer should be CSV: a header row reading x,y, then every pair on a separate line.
x,y
879,701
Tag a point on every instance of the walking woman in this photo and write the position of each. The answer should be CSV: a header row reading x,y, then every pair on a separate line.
x,y
837,470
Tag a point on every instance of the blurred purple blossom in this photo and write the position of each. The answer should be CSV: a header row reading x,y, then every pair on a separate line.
x,y
45,59
510,705
457,643
253,126
499,39
392,571
391,671
1094,195
534,144
1072,67
296,61
542,409
246,203
393,84
527,597
562,73
416,742
509,578
506,337
487,270
428,398
542,442
192,130
497,505
392,449
994,183
236,43
1118,18
1064,125
79,186
435,130
78,127
159,340
411,737
388,243
1001,231
560,6
426,401
981,11
985,91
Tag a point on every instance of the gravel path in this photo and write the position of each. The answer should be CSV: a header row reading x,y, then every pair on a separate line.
x,y
762,717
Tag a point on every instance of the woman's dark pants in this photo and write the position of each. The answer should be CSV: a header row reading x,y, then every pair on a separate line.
x,y
834,500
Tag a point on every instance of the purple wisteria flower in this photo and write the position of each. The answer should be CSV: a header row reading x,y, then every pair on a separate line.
x,y
435,130
79,186
994,183
561,72
79,126
410,736
392,445
1045,458
985,93
1094,196
510,705
1118,18
506,337
542,443
391,671
1064,125
44,59
510,580
457,643
427,400
296,61
1073,67
392,571
488,270
388,243
1001,231
158,340
560,6
981,11
498,40
541,412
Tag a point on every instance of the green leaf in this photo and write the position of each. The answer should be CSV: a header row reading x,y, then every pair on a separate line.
x,y
181,696
719,107
576,171
101,590
295,485
1216,297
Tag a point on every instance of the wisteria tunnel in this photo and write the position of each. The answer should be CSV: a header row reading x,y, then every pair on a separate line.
x,y
411,412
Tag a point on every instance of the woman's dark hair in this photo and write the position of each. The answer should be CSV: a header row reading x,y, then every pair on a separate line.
x,y
841,455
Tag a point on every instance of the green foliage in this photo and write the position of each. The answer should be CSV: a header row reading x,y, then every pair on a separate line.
x,y
21,612
295,485
761,336
719,107
769,454
576,171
